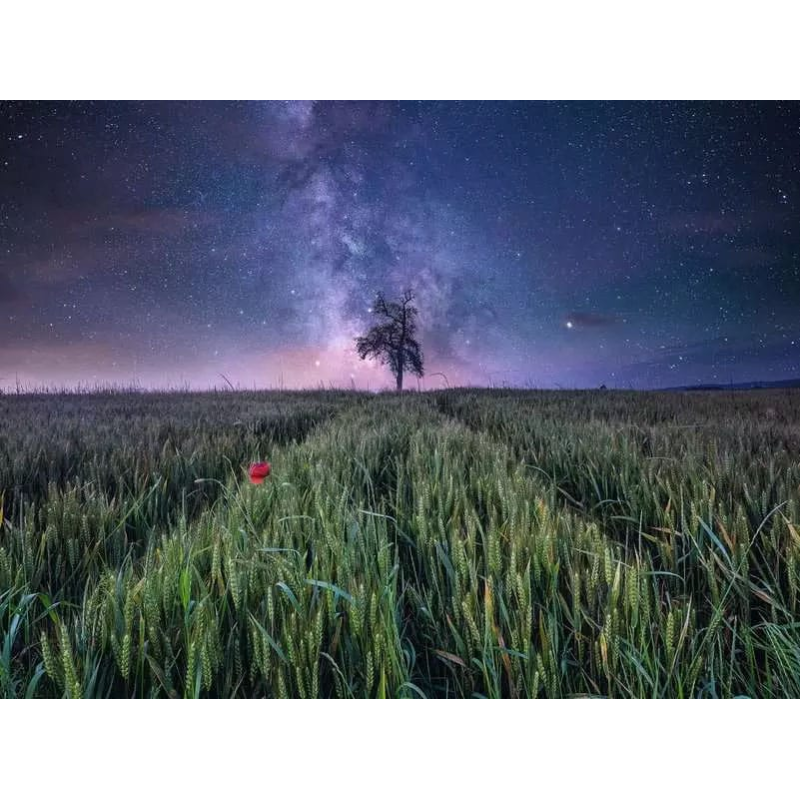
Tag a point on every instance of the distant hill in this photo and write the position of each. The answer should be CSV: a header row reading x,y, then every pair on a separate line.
x,y
791,383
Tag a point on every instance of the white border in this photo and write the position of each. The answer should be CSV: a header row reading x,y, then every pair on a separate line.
x,y
366,749
431,49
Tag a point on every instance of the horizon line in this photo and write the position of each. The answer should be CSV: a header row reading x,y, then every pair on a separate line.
x,y
109,388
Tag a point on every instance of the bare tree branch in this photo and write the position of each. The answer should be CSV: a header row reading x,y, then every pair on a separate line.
x,y
393,342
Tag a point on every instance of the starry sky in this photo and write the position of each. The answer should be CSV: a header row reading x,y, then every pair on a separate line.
x,y
566,244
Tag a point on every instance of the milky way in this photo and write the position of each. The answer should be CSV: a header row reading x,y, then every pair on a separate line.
x,y
549,244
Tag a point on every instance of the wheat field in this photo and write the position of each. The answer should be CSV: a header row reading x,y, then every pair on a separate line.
x,y
463,543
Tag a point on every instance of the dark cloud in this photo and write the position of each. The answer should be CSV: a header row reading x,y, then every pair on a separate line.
x,y
750,257
583,319
719,224
719,359
9,293
703,224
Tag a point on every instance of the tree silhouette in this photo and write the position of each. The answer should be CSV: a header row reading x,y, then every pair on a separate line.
x,y
392,341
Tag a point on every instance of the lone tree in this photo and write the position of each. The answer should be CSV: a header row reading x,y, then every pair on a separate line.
x,y
392,340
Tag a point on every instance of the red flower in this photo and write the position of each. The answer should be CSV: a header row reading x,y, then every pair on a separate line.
x,y
259,471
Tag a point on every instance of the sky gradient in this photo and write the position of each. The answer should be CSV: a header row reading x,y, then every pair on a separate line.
x,y
549,244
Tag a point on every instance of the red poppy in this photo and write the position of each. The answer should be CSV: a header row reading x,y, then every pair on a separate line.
x,y
259,471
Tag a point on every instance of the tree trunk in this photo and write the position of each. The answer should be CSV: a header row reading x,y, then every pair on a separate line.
x,y
401,361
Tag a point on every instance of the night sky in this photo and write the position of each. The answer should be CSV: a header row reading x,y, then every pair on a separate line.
x,y
549,244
